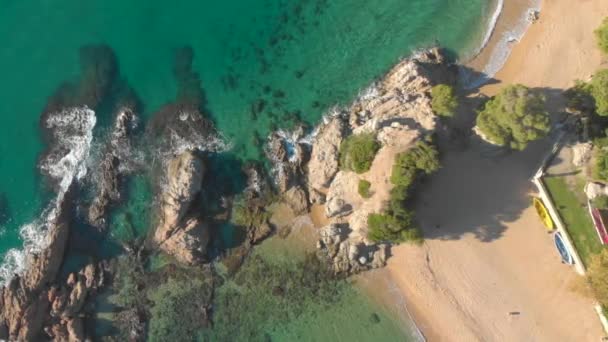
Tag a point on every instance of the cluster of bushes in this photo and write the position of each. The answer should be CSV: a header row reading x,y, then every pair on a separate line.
x,y
357,152
514,117
397,223
443,100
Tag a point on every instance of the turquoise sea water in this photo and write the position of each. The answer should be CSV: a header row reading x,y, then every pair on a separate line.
x,y
291,60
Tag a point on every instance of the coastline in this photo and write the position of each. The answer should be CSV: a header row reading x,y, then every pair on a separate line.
x,y
472,304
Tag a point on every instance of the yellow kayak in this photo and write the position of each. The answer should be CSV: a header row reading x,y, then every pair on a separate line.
x,y
543,213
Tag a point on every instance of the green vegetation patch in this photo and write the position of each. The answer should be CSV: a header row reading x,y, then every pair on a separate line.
x,y
364,188
514,117
357,152
600,167
397,223
572,208
443,100
600,202
266,294
180,309
597,277
599,91
601,33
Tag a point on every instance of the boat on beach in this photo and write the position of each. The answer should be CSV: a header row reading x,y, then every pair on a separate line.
x,y
562,249
543,213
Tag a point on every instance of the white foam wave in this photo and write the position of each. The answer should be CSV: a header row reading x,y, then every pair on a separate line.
x,y
502,50
72,130
491,27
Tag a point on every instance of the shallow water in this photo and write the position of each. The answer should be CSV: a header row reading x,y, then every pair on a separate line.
x,y
288,60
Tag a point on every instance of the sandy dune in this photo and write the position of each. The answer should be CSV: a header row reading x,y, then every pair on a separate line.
x,y
488,271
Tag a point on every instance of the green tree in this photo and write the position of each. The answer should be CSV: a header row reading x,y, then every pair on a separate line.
x,y
443,100
599,91
357,152
363,188
514,117
601,33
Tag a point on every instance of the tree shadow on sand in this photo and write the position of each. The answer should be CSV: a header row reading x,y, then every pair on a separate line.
x,y
480,188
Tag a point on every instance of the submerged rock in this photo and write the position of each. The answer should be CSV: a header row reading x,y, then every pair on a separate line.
x,y
113,166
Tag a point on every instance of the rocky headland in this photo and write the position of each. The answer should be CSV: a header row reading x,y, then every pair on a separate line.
x,y
397,111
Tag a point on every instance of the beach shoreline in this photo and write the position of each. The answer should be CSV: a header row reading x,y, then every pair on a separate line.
x,y
451,302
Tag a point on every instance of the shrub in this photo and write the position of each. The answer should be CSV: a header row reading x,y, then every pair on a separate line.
x,y
599,91
602,36
443,100
600,202
357,152
386,227
600,168
597,276
422,158
364,187
514,117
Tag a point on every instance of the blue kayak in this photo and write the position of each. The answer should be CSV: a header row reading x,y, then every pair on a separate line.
x,y
561,248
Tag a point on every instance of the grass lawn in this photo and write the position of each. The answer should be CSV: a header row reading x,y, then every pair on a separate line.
x,y
572,207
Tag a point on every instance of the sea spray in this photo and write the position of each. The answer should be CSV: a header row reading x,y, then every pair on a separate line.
x,y
71,131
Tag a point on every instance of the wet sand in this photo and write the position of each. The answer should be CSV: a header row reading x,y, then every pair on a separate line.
x,y
488,270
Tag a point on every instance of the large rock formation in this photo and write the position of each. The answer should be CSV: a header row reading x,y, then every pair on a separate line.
x,y
323,164
397,111
288,153
114,164
181,232
346,256
24,304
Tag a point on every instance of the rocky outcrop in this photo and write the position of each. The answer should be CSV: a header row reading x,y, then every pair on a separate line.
x,y
348,257
36,302
24,301
181,232
114,164
297,199
287,153
399,101
323,164
397,111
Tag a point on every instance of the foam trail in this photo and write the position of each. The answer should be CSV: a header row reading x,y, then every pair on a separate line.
x,y
72,133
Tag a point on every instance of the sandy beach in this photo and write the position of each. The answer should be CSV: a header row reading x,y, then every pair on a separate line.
x,y
488,271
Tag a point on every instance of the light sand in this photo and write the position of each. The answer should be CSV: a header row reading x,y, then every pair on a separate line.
x,y
487,254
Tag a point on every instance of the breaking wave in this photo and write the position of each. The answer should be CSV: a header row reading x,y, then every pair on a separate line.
x,y
71,131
